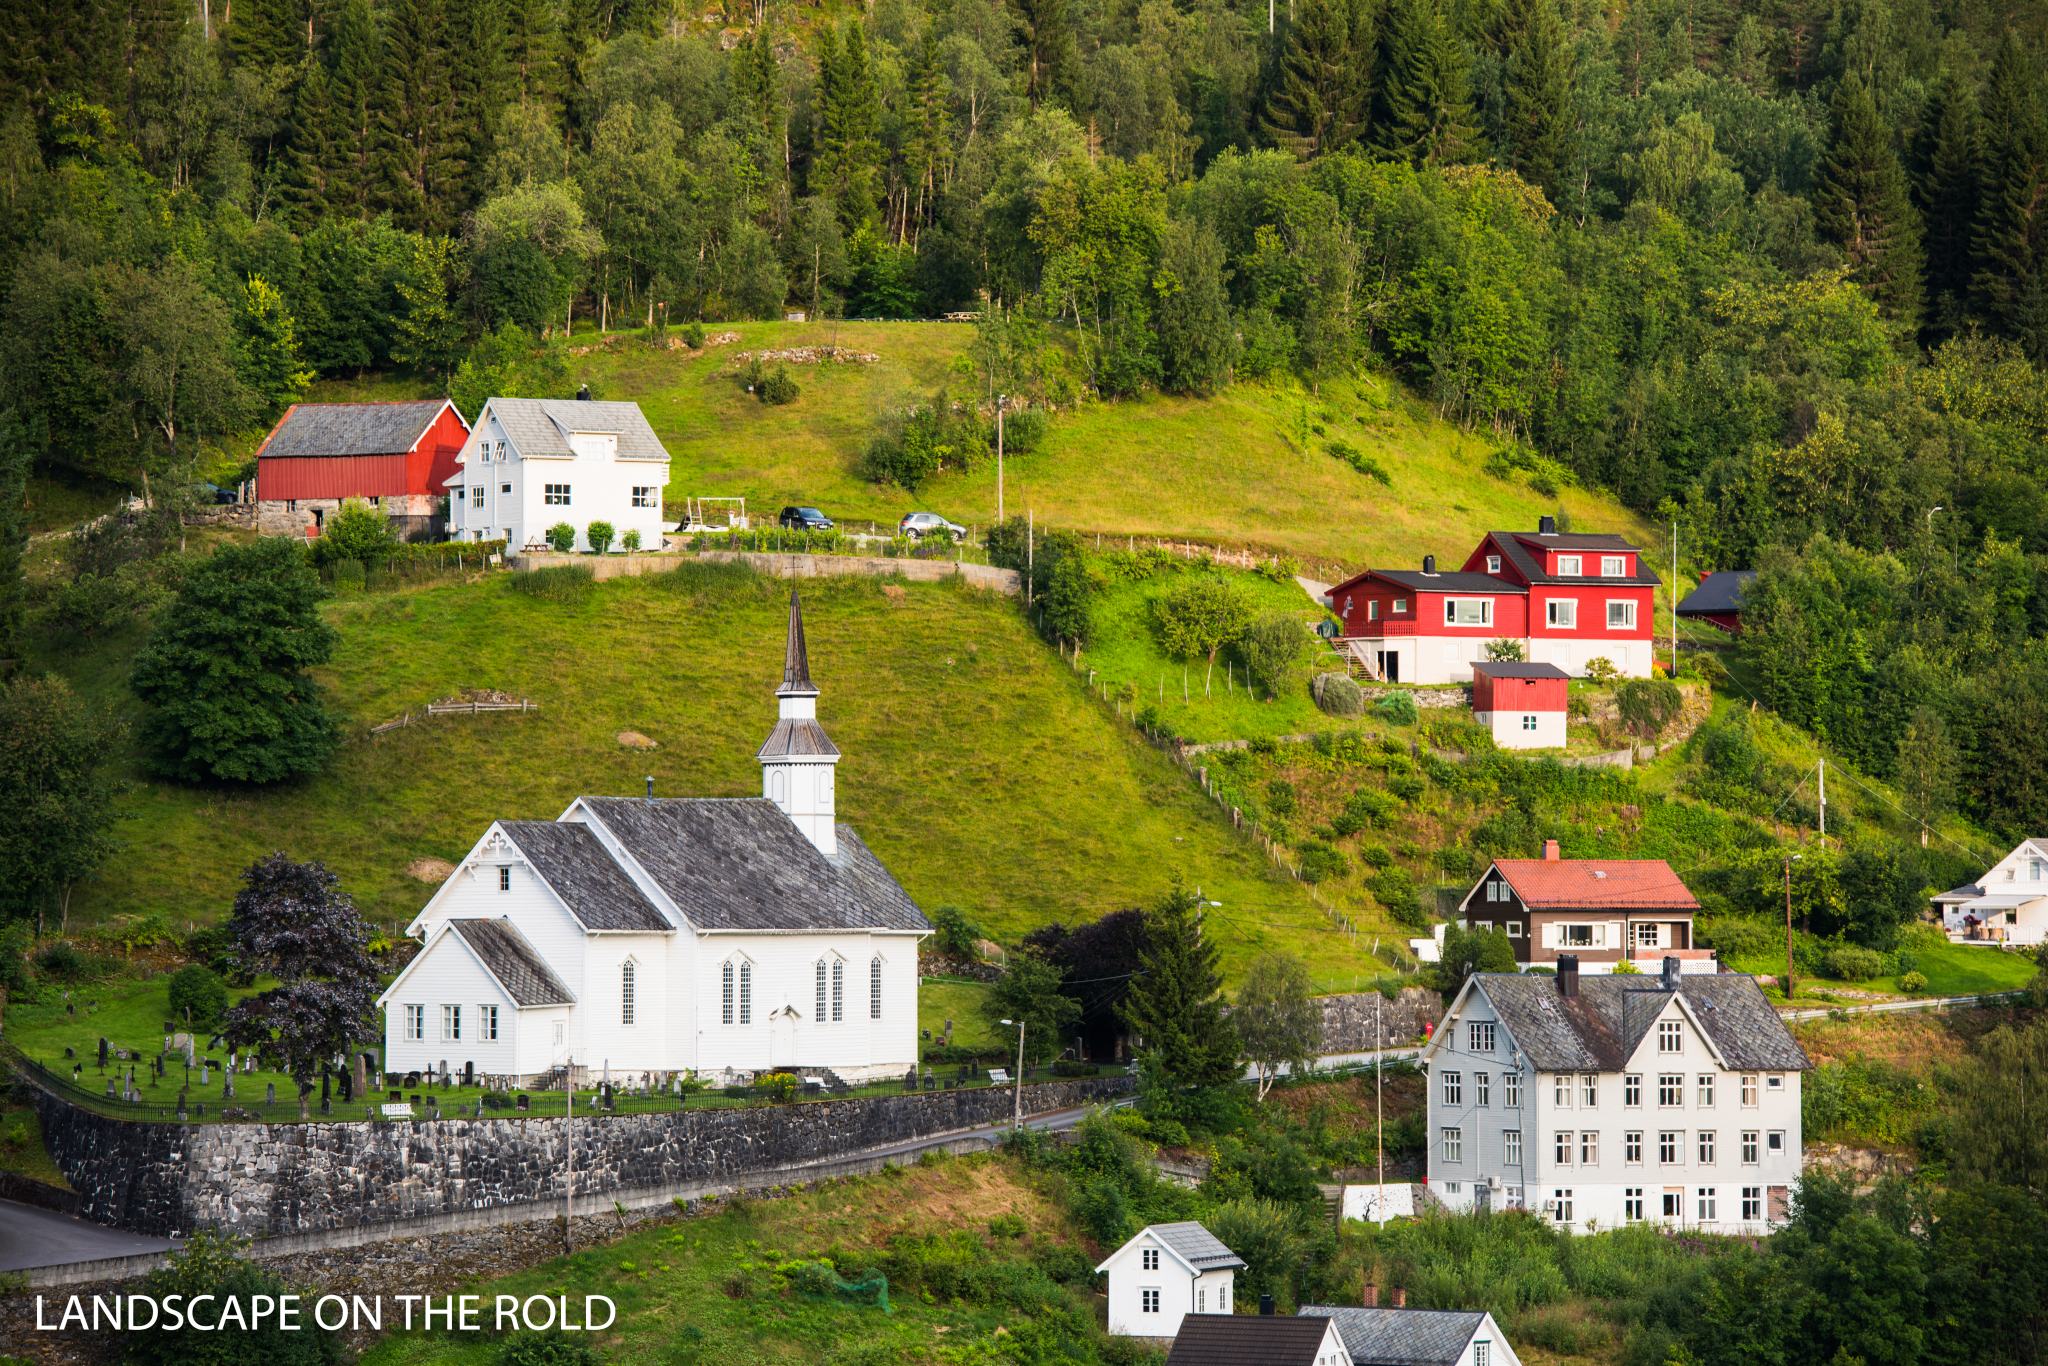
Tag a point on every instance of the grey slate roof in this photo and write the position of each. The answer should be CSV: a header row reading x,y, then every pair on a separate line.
x,y
1246,1340
1719,595
1603,1027
1493,669
1400,1337
351,428
573,861
541,426
1200,1247
796,737
511,958
741,864
1531,567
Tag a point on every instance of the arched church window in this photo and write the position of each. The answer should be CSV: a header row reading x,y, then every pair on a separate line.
x,y
875,989
819,1013
626,993
727,974
838,991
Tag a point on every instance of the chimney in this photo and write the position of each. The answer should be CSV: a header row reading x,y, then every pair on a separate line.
x,y
1550,851
583,394
1670,974
1400,1298
1429,565
650,787
1567,979
1546,526
1371,1298
1266,1305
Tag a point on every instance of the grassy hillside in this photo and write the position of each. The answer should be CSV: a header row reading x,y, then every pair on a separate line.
x,y
974,765
1249,465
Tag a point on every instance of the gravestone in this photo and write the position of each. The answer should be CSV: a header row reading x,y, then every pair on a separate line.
x,y
227,1083
931,1083
949,1034
910,1080
413,1099
71,1053
167,1043
348,1086
394,1096
521,1102
103,1050
925,1034
270,1093
363,1073
110,1088
326,1092
412,1079
469,1074
444,1073
170,1026
205,1066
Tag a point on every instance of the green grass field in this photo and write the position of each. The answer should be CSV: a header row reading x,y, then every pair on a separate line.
x,y
1248,466
975,765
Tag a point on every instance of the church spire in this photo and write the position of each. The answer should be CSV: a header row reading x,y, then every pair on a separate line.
x,y
796,660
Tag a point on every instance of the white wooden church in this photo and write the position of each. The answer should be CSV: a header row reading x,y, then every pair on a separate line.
x,y
724,936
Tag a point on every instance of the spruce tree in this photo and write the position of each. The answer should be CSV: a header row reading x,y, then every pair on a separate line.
x,y
533,53
477,30
310,162
1175,1006
1536,93
418,167
849,145
1945,191
1425,109
266,33
1860,201
930,150
1325,92
353,58
2012,177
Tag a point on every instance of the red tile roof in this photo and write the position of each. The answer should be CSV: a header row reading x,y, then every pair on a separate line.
x,y
1567,884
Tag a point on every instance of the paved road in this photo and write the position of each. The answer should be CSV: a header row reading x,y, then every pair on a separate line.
x,y
40,1237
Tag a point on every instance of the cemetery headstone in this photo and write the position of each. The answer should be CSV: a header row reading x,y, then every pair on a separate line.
x,y
910,1080
70,1009
363,1073
205,1069
469,1074
949,1033
326,1092
520,1102
348,1087
103,1050
71,1053
110,1088
270,1093
412,1079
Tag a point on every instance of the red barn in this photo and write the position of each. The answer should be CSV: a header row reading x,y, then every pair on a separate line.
x,y
1522,704
393,456
1718,599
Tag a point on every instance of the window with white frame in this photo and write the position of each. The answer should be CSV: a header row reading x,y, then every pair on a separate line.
x,y
875,989
1614,566
1752,1204
1201,1300
1632,1147
1670,1090
1578,936
1706,1091
1482,1089
1528,722
1468,611
1774,1143
1563,613
1562,1148
1561,1090
451,1024
487,1023
1667,1147
1454,1145
646,496
1748,1093
1514,928
1454,1088
504,879
1511,1089
728,980
1632,1203
1479,1036
1589,1090
819,1013
1372,609
746,993
555,495
504,488
1706,1147
838,991
1589,1147
1400,606
561,1031
1707,1205
416,1022
626,992
1670,1036
1749,1147
1632,1091
501,450
1493,564
1649,935
1621,614
1511,1147
1561,1206
1482,1353
476,495
1569,566
1148,1259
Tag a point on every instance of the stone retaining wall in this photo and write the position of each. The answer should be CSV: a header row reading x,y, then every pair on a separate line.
x,y
787,566
266,1180
1365,1022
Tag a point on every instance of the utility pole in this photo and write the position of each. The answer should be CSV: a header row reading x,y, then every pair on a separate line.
x,y
569,1157
1674,599
1018,1084
1030,551
1823,804
1001,400
1789,861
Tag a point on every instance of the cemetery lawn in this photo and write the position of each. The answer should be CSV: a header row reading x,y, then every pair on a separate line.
x,y
716,1290
1248,466
960,1002
975,766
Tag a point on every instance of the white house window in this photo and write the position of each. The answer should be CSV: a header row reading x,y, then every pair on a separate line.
x,y
1575,936
1613,566
727,975
819,1014
1649,935
1589,1148
1482,1088
875,990
838,991
1528,722
1479,1037
554,495
1201,1300
1589,1090
1775,1143
1748,1093
504,488
1400,606
1752,1204
1372,609
1671,1037
561,1031
504,879
1511,1147
1706,1147
487,1023
1468,611
1493,564
415,1022
645,496
1148,1301
1454,1088
1148,1259
1749,1147
1632,1203
1667,1147
1511,1088
1632,1090
1774,1083
501,450
1564,613
1454,1145
1706,1097
476,495
1621,615
1514,928
1569,566
1632,1147
626,993
1561,1090
746,993
1561,1206
451,1024
1670,1090
1707,1215
1563,1147
1482,1353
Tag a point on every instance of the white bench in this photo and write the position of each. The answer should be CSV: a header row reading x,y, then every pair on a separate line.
x,y
998,1076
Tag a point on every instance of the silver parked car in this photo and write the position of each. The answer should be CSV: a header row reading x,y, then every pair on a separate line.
x,y
919,525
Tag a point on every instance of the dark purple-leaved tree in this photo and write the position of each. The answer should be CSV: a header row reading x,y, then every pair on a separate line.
x,y
293,922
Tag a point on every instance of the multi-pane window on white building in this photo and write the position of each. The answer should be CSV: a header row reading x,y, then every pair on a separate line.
x,y
504,879
1670,1090
646,496
1479,1037
416,1022
1671,1036
1511,1089
1749,1147
451,1024
487,1022
1562,1148
838,991
554,495
875,989
476,495
1706,1147
1589,1148
1706,1091
1632,1091
1667,1147
1454,1088
626,993
1752,1204
1561,1090
1632,1203
1148,1301
1748,1093
726,976
1482,1088
1148,1259
746,993
1707,1205
1632,1147
1589,1090
1561,1206
819,1014
1454,1145
1511,1147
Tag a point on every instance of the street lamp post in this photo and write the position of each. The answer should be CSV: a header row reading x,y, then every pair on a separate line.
x,y
1018,1082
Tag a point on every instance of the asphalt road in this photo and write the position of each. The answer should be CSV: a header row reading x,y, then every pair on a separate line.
x,y
38,1237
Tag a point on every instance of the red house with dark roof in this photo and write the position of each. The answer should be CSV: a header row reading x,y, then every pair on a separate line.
x,y
1598,909
1567,598
394,456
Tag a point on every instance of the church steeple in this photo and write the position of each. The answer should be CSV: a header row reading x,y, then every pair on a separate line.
x,y
798,757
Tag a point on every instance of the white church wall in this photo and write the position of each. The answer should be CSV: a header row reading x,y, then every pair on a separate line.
x,y
606,1038
448,974
543,1034
785,975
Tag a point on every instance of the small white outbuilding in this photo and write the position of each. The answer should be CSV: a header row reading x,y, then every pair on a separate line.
x,y
1165,1273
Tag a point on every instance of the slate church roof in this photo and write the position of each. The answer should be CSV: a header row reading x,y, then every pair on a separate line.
x,y
1400,1337
511,958
574,862
1603,1026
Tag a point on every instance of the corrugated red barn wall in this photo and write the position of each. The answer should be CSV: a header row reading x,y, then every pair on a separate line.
x,y
331,476
432,463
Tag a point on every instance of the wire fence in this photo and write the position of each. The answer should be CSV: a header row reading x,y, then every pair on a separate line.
x,y
151,1100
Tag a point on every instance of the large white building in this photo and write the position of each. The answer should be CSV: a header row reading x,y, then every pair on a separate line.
x,y
1615,1099
531,463
654,936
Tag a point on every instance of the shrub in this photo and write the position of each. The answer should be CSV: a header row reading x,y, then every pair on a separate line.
x,y
1395,891
1337,694
1455,862
1504,650
1853,963
1280,797
1397,707
1912,982
779,388
1377,855
1272,646
1408,787
956,933
562,537
599,536
1024,432
630,542
1370,806
1601,669
693,336
349,576
200,990
1360,461
552,1348
356,531
62,961
1647,705
1320,862
212,1265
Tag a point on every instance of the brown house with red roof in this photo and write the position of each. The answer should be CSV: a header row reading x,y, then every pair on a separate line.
x,y
1597,909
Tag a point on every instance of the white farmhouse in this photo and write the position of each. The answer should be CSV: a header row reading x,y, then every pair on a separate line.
x,y
1415,1337
1616,1099
645,936
1165,1273
2008,905
533,462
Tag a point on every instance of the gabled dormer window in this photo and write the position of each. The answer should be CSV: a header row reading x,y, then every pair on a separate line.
x,y
1493,564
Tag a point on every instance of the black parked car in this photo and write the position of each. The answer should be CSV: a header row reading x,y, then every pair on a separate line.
x,y
805,519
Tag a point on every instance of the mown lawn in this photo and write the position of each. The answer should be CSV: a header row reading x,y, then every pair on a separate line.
x,y
974,764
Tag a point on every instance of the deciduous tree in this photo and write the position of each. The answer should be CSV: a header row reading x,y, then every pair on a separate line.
x,y
57,811
1200,614
1277,1019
